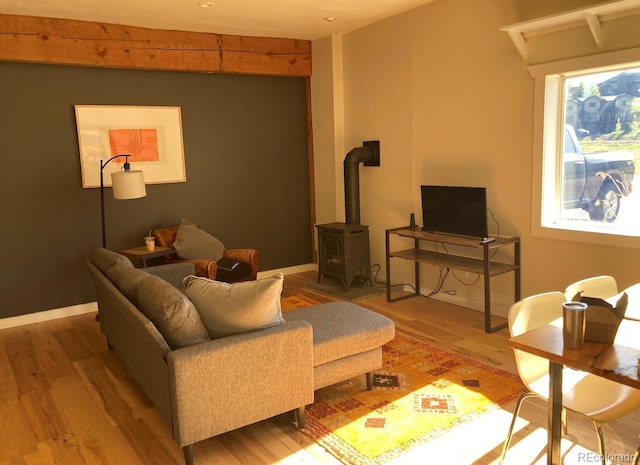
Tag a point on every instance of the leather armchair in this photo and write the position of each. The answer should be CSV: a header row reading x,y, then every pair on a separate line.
x,y
248,271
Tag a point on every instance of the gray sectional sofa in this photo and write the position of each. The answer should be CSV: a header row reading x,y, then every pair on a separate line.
x,y
204,386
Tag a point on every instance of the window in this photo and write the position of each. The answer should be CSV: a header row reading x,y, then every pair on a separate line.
x,y
591,151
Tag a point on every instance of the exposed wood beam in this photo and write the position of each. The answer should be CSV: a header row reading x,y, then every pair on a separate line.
x,y
58,41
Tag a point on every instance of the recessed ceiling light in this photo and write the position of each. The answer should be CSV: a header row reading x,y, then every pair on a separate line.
x,y
206,4
329,18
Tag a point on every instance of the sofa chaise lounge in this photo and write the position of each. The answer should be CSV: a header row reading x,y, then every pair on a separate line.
x,y
204,387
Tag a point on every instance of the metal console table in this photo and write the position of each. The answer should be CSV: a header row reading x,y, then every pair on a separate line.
x,y
484,266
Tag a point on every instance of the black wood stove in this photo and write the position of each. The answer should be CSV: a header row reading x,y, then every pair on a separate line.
x,y
343,248
343,252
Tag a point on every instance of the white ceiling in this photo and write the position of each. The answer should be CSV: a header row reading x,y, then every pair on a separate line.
x,y
294,19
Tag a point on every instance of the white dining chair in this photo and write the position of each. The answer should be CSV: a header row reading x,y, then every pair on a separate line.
x,y
598,286
633,307
599,399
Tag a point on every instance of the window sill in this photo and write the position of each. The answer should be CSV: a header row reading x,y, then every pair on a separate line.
x,y
589,234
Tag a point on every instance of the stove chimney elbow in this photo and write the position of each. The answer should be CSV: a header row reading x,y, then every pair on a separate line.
x,y
369,154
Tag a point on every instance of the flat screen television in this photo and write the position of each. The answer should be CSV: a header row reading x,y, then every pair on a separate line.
x,y
455,210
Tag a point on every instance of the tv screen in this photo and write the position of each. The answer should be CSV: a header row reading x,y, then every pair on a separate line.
x,y
455,210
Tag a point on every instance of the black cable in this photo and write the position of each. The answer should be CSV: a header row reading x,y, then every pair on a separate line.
x,y
475,281
497,228
441,277
374,276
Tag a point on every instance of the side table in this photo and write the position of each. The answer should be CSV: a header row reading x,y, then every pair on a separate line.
x,y
141,254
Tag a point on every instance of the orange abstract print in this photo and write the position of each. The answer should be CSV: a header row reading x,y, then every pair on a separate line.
x,y
141,144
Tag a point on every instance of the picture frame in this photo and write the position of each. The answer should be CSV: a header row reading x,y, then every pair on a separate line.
x,y
151,135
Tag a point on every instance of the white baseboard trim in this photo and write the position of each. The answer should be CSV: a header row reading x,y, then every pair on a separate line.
x,y
47,315
56,313
497,309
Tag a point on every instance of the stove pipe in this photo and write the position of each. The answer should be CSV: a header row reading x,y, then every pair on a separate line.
x,y
369,154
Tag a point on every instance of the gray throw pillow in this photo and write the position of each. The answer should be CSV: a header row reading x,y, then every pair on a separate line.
x,y
104,259
126,279
241,307
171,312
192,242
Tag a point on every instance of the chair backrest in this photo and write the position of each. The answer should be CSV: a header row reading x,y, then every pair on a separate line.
x,y
597,286
165,237
535,311
525,315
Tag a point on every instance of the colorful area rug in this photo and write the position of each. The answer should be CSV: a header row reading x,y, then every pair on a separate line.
x,y
420,393
296,301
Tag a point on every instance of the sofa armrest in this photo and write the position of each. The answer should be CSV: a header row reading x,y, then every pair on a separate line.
x,y
173,273
209,269
249,256
203,266
227,383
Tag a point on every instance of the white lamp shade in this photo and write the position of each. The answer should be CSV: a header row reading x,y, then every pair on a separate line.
x,y
128,185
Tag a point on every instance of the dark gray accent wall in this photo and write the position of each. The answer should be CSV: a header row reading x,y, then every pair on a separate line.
x,y
247,168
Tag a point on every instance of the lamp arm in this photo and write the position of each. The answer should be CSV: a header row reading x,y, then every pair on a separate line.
x,y
126,167
126,162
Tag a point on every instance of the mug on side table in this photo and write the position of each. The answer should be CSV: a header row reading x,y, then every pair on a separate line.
x,y
150,242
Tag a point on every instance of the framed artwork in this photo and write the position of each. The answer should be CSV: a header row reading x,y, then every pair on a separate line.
x,y
152,136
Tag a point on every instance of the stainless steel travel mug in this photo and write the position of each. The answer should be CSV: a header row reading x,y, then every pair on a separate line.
x,y
574,317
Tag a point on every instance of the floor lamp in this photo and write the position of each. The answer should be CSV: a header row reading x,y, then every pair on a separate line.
x,y
126,184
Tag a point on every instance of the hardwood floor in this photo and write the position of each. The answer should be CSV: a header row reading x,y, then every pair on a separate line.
x,y
66,399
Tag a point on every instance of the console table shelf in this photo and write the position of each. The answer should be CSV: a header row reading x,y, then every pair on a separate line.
x,y
484,266
457,262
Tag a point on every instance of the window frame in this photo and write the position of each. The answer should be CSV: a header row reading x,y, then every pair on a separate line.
x,y
547,144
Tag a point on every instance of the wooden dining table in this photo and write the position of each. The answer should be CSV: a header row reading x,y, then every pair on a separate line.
x,y
617,362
